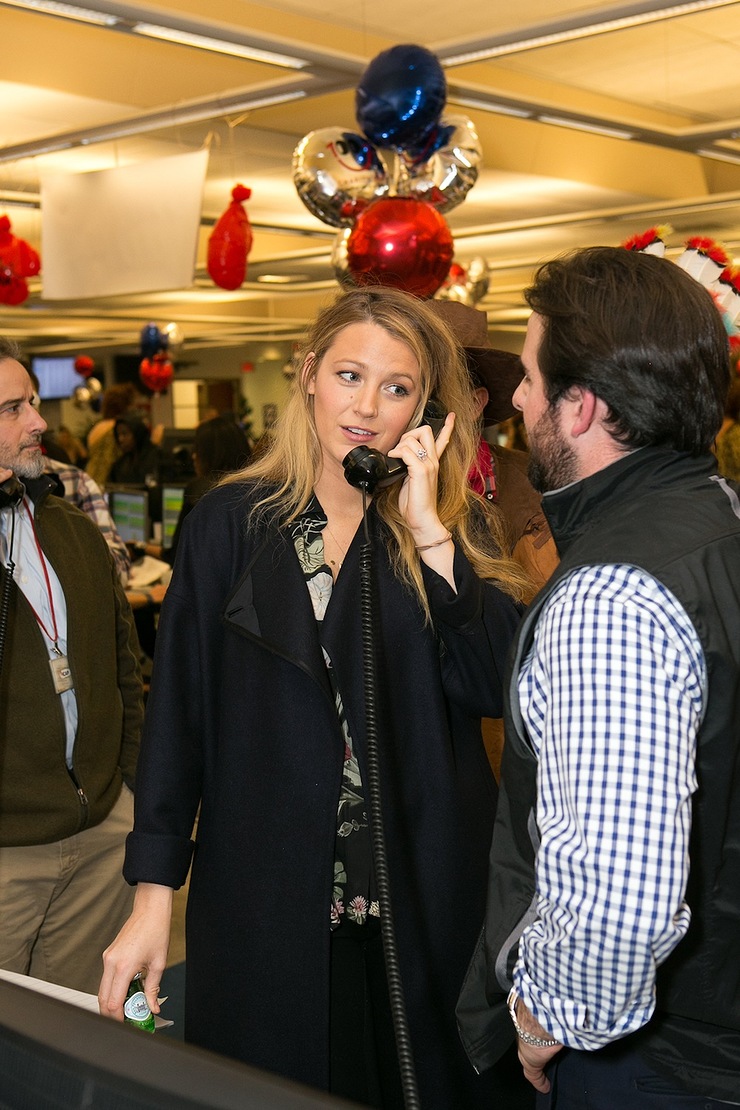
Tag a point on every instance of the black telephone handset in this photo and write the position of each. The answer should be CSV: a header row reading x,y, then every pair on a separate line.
x,y
11,492
368,469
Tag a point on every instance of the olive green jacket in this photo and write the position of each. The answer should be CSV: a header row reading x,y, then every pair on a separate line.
x,y
40,801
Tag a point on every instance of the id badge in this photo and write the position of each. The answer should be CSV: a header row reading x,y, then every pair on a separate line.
x,y
61,673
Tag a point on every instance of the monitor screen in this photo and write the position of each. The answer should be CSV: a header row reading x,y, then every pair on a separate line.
x,y
130,511
56,375
54,1056
172,498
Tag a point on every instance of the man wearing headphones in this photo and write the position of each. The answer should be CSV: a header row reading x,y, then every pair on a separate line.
x,y
70,714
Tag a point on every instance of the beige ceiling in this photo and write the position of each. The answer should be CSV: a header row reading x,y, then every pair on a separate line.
x,y
543,189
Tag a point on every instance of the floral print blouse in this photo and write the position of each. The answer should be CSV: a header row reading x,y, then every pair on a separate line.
x,y
354,897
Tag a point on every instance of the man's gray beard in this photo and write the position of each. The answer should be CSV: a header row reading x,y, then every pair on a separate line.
x,y
29,468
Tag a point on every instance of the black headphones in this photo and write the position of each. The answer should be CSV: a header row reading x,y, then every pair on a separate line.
x,y
11,492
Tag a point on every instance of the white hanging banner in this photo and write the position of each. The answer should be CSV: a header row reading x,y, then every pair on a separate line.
x,y
133,229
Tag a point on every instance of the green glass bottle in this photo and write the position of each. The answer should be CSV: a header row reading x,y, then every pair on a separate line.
x,y
136,1008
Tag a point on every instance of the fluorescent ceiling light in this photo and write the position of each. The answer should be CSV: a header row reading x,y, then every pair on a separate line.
x,y
219,46
492,106
67,11
280,279
588,30
584,125
180,36
721,155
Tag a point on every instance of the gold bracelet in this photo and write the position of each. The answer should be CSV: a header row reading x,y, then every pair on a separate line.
x,y
429,546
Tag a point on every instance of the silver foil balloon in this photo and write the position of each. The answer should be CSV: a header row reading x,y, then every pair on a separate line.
x,y
337,173
466,284
174,336
448,175
478,279
340,261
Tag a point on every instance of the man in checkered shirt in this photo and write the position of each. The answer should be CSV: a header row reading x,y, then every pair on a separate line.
x,y
613,925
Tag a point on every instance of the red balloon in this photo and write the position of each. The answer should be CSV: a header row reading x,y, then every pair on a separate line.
x,y
84,365
13,289
403,242
230,242
18,260
156,372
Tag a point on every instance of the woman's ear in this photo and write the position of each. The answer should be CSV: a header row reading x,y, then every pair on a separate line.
x,y
308,373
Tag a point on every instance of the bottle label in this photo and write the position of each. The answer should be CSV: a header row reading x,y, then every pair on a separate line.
x,y
136,1008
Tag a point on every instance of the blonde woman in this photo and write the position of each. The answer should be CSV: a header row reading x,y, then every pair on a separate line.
x,y
257,714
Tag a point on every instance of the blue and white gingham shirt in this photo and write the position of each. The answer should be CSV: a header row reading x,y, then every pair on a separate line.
x,y
612,694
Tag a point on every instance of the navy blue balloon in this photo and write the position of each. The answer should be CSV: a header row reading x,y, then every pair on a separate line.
x,y
433,141
400,97
152,340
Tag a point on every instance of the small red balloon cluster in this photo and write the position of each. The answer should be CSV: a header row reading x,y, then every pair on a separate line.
x,y
18,261
230,242
389,185
156,372
155,368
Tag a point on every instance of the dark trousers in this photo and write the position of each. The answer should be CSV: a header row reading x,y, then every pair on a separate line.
x,y
364,1062
615,1080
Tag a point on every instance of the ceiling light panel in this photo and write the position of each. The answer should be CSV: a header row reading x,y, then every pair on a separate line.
x,y
218,46
586,30
66,11
181,35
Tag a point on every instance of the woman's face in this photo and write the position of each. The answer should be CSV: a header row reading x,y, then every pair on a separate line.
x,y
125,438
365,389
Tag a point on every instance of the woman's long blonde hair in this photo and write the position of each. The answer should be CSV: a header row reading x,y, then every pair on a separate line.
x,y
290,466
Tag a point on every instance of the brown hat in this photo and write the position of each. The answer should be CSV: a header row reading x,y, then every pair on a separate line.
x,y
499,371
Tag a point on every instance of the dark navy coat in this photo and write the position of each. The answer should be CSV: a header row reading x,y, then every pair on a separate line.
x,y
241,719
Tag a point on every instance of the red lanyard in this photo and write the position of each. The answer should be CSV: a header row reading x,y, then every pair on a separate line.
x,y
55,638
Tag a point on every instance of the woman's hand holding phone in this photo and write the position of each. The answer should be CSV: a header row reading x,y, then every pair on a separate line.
x,y
417,500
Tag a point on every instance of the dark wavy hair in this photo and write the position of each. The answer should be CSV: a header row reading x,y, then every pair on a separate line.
x,y
640,333
221,446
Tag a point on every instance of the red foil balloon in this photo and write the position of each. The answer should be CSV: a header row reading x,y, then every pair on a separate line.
x,y
84,365
230,242
156,372
402,242
18,261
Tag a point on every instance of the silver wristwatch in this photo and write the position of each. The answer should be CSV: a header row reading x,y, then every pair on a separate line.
x,y
528,1038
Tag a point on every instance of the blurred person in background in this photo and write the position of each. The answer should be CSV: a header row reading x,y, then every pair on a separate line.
x,y
102,448
139,460
220,447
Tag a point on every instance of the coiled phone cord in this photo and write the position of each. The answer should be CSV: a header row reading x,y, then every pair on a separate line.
x,y
377,831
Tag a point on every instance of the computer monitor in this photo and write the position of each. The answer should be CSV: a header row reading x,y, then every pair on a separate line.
x,y
56,376
172,499
54,1056
129,508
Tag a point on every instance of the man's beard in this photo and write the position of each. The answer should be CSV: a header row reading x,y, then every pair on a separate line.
x,y
552,462
25,465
